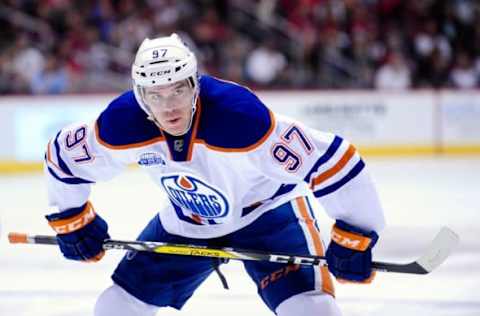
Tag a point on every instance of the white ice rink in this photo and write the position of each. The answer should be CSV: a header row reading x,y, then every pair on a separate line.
x,y
419,195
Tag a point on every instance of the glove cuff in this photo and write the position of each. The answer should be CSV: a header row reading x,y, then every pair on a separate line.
x,y
352,237
72,219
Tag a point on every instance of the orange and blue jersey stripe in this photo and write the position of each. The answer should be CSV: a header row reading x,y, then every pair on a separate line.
x,y
60,170
317,181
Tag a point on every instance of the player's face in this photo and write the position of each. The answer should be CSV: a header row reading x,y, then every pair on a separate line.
x,y
171,106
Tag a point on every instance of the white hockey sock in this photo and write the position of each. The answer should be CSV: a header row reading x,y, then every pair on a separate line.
x,y
313,303
116,301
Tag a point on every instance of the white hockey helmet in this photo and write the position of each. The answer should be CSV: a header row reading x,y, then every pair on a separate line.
x,y
163,61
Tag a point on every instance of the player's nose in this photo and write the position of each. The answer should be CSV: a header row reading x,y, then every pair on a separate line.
x,y
170,105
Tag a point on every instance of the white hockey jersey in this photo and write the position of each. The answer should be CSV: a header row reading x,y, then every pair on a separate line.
x,y
238,161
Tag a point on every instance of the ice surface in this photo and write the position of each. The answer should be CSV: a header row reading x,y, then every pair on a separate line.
x,y
419,195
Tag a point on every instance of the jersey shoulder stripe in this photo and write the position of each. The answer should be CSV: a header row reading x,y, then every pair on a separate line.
x,y
331,150
123,125
62,166
337,166
233,118
337,185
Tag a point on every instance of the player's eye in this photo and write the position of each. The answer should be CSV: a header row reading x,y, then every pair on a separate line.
x,y
155,97
178,91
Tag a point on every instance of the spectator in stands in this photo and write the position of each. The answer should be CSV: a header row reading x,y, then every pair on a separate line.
x,y
53,79
324,43
18,64
9,82
434,73
210,34
265,63
394,74
463,75
27,61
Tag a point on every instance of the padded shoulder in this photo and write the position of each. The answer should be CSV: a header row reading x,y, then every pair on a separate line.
x,y
123,124
232,118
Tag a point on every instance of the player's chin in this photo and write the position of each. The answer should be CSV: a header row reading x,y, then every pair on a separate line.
x,y
174,127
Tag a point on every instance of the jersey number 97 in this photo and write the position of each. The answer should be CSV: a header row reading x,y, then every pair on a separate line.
x,y
76,140
283,152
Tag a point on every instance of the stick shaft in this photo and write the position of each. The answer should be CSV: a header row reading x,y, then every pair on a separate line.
x,y
445,241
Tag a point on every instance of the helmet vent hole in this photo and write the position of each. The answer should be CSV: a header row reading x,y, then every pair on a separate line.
x,y
177,68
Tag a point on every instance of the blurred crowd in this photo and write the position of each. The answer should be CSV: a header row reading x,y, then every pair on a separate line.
x,y
76,46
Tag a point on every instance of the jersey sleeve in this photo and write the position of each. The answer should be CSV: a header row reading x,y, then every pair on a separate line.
x,y
74,160
330,166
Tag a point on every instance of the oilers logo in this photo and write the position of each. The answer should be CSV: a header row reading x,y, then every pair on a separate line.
x,y
196,198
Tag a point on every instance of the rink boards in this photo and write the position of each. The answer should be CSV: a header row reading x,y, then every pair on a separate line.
x,y
378,123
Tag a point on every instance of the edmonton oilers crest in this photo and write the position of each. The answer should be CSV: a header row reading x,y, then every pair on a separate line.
x,y
195,196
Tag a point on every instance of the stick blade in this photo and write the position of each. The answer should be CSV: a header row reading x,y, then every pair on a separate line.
x,y
441,247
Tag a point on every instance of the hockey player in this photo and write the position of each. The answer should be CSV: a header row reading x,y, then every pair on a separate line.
x,y
235,174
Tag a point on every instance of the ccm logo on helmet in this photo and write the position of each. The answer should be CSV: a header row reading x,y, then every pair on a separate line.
x,y
160,73
195,196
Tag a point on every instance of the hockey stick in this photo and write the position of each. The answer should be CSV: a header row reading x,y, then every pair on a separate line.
x,y
440,248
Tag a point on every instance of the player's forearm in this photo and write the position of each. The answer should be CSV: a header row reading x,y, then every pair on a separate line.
x,y
357,203
63,196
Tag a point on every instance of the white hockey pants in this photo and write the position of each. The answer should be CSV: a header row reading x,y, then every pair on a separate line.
x,y
116,301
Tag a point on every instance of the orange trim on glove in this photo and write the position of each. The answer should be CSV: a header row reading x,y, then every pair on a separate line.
x,y
350,240
68,225
96,258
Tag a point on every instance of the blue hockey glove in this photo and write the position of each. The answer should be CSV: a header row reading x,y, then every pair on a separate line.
x,y
80,233
349,255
